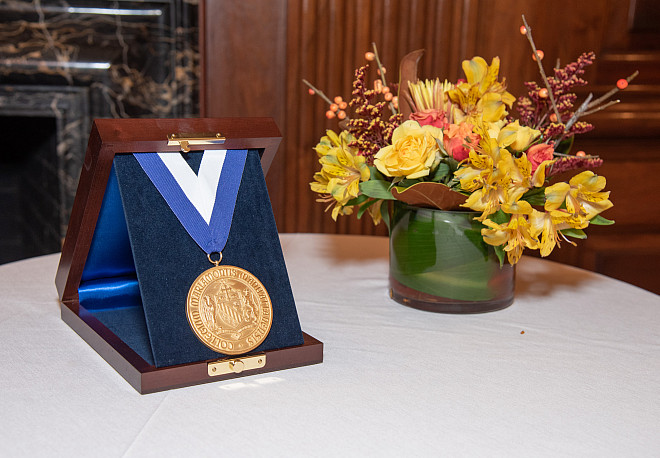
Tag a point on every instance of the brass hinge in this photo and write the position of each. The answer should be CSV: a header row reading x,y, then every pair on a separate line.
x,y
185,141
236,365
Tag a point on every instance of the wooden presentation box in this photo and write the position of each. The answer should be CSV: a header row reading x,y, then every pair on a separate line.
x,y
115,137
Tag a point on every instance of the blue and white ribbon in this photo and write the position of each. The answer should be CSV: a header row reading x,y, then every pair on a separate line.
x,y
203,203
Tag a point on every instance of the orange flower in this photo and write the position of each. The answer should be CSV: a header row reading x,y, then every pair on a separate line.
x,y
536,154
458,138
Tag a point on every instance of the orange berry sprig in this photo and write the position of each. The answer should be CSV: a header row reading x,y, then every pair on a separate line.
x,y
565,122
380,86
336,108
620,86
527,31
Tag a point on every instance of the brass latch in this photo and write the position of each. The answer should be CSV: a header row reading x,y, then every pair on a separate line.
x,y
236,365
185,141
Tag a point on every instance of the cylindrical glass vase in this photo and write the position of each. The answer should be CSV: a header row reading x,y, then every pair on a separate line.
x,y
440,263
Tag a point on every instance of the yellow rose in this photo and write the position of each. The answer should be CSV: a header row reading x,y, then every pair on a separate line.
x,y
412,152
516,136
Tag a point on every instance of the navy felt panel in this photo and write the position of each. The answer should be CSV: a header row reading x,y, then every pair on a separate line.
x,y
167,261
128,324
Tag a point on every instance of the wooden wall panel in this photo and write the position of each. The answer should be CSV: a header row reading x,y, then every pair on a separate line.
x,y
257,53
326,42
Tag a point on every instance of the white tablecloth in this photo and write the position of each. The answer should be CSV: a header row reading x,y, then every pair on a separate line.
x,y
572,368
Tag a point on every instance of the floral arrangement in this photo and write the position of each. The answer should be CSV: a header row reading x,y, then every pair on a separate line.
x,y
457,146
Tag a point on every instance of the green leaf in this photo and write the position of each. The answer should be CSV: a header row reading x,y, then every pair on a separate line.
x,y
375,174
474,236
500,217
453,163
565,146
377,189
535,196
385,214
364,207
357,200
441,172
406,182
601,221
575,233
499,251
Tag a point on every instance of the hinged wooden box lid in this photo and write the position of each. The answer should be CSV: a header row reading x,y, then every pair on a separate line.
x,y
131,254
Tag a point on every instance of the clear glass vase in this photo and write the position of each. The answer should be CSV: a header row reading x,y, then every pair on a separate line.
x,y
440,263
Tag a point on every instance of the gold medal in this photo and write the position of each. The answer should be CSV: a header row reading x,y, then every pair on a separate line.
x,y
229,309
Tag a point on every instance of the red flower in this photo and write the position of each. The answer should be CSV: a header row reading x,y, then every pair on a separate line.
x,y
431,117
538,153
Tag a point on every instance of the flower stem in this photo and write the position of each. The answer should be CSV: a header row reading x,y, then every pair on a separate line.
x,y
380,66
382,74
317,91
610,93
601,107
528,34
579,112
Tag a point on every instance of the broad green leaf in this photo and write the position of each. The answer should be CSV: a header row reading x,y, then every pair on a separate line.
x,y
385,213
377,189
474,236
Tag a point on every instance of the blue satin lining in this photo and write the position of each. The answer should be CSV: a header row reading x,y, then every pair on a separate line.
x,y
109,279
110,293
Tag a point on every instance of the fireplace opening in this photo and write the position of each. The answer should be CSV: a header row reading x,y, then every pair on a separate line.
x,y
29,188
62,64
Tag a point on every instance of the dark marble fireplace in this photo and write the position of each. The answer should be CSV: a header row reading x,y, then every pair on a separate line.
x,y
63,64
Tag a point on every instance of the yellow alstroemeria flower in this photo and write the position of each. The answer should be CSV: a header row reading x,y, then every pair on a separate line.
x,y
342,170
473,174
328,143
548,225
413,151
518,173
516,137
486,183
583,195
515,235
496,186
482,96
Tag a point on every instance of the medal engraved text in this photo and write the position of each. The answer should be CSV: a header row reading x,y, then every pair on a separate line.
x,y
229,310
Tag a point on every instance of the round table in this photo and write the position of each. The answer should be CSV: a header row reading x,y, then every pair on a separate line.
x,y
572,368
